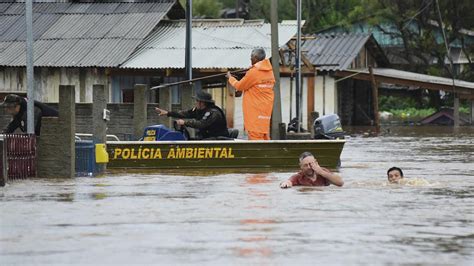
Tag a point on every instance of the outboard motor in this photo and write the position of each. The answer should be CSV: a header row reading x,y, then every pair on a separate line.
x,y
328,127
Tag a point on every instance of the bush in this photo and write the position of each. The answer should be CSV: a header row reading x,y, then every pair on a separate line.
x,y
387,103
412,112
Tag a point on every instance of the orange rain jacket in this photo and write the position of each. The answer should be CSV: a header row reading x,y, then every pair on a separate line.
x,y
257,86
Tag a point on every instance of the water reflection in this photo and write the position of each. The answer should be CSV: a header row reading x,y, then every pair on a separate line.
x,y
256,229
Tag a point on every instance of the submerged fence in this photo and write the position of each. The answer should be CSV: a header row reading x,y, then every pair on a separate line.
x,y
18,157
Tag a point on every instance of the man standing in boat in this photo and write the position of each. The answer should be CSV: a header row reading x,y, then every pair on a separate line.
x,y
312,174
257,87
205,116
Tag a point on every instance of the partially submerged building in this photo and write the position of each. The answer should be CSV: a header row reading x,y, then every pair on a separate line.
x,y
337,78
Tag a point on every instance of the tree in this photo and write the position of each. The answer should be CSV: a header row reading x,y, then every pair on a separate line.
x,y
205,8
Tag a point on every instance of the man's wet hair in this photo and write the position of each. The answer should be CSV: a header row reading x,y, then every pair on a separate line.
x,y
258,53
305,154
395,168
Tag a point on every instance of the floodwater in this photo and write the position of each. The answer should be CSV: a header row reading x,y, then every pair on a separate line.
x,y
246,218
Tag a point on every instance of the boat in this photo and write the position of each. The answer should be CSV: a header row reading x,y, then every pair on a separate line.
x,y
163,148
235,154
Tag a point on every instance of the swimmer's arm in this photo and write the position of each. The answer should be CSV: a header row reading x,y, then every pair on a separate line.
x,y
286,184
293,181
332,178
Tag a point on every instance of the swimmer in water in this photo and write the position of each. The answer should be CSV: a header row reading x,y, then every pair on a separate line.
x,y
394,175
312,174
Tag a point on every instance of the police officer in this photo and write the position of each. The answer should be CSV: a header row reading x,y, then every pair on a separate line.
x,y
16,107
205,116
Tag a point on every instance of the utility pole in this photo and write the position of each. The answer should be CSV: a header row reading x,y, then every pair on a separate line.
x,y
276,115
298,65
30,124
188,46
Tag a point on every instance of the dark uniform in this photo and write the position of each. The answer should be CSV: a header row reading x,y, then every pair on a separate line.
x,y
211,121
19,120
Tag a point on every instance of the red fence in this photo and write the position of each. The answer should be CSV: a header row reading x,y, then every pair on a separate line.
x,y
18,156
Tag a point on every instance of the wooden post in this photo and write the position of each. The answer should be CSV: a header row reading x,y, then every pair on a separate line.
x,y
139,109
276,111
456,110
375,99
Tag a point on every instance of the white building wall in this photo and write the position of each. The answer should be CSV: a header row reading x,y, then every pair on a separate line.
x,y
325,95
285,100
47,81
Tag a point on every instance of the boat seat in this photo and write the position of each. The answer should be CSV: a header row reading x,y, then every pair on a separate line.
x,y
233,133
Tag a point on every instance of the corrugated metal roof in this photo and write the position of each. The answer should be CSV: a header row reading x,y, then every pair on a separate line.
x,y
124,25
4,6
61,26
215,45
405,75
82,25
15,30
78,34
339,49
6,22
106,23
78,8
53,55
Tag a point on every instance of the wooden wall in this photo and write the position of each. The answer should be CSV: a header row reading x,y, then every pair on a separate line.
x,y
47,80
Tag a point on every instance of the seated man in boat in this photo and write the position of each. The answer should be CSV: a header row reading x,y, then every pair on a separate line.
x,y
257,87
394,175
16,107
207,117
312,174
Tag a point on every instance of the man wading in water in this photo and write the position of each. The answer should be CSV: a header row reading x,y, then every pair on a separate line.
x,y
312,174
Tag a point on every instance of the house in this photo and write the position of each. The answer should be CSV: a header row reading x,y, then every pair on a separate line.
x,y
219,45
120,44
323,56
76,43
337,78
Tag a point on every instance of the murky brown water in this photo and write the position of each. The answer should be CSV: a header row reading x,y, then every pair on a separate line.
x,y
245,218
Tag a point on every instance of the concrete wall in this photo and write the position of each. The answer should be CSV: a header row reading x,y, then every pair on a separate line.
x,y
47,80
121,118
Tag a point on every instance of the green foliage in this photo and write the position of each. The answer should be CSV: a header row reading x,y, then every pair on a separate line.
x,y
412,112
387,103
205,8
